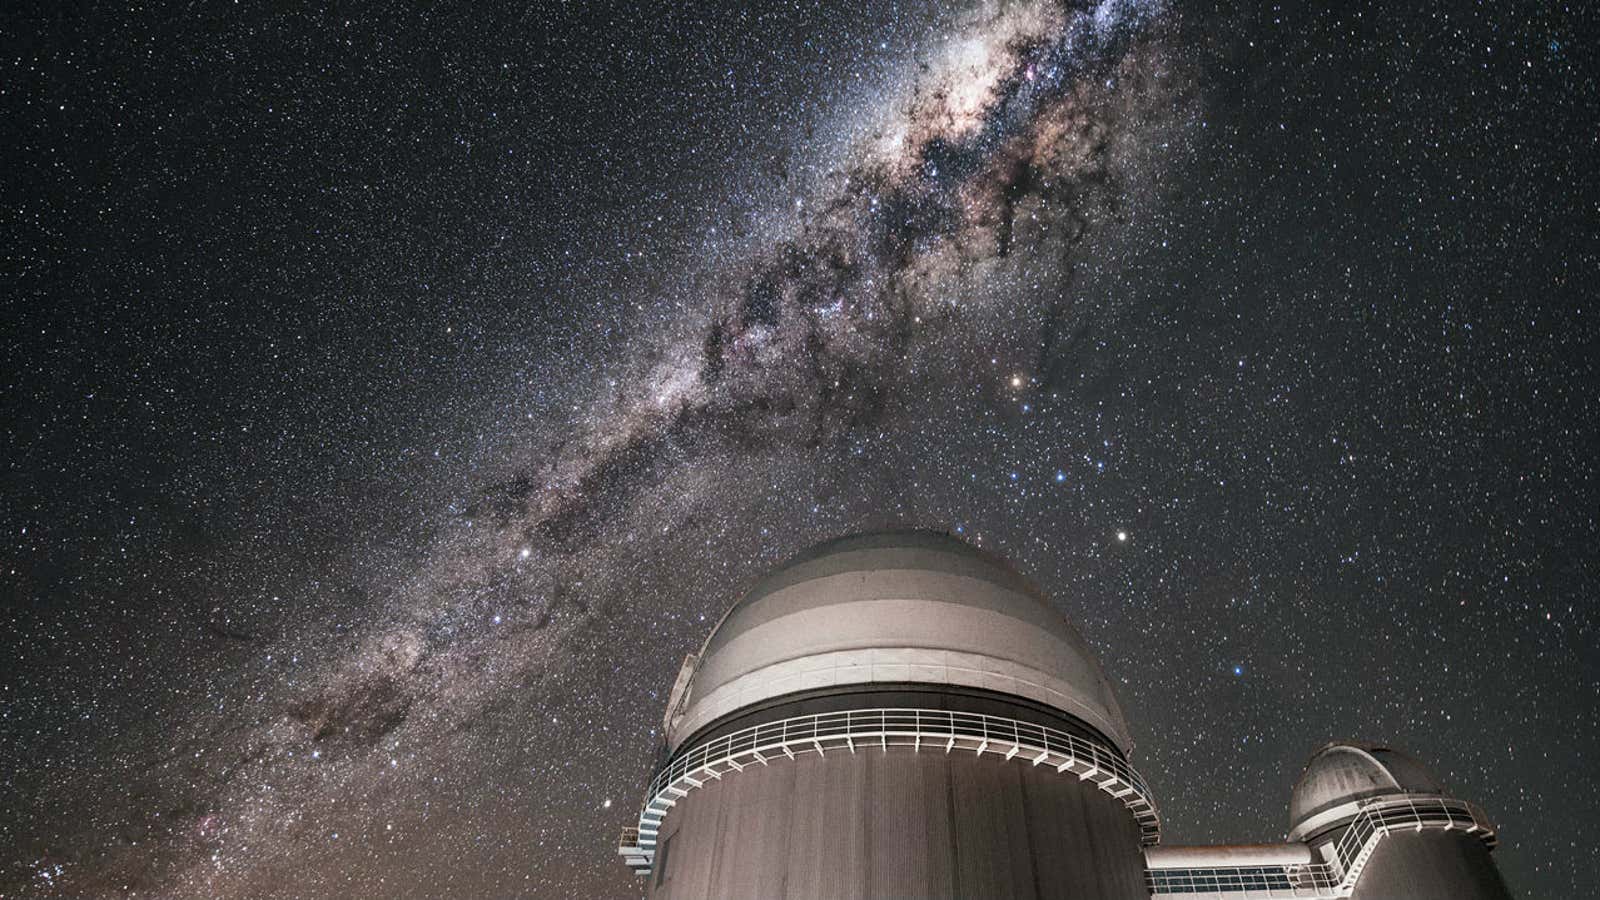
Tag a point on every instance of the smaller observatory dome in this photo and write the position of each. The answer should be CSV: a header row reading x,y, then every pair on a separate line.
x,y
1343,773
893,607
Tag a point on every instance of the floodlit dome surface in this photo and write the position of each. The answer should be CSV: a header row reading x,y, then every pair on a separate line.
x,y
896,607
1341,773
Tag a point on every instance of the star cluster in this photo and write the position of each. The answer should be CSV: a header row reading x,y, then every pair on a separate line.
x,y
393,399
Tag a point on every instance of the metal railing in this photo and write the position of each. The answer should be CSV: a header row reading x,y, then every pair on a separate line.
x,y
864,730
1351,851
632,854
1269,881
1382,816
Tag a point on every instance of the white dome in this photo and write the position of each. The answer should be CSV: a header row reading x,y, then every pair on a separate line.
x,y
1341,773
894,607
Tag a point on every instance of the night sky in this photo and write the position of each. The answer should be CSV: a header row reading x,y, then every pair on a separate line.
x,y
392,397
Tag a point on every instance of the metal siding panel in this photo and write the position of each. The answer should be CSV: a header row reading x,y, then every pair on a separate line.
x,y
1431,865
740,837
1123,857
983,857
908,827
827,854
844,858
692,831
717,794
701,837
775,828
941,826
810,817
901,824
1057,839
1119,861
1018,834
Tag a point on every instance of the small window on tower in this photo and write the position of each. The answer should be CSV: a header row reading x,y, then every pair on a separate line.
x,y
662,854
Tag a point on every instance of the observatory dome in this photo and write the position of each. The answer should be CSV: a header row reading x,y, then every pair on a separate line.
x,y
894,607
1342,773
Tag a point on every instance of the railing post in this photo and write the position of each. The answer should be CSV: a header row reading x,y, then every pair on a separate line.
x,y
1122,780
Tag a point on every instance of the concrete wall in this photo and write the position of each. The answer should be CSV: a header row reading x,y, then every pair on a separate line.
x,y
898,824
1431,865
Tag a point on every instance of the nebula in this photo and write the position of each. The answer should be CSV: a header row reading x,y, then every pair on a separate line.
x,y
1014,137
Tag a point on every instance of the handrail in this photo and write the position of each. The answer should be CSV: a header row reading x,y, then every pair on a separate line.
x,y
1378,817
1273,880
880,729
1381,815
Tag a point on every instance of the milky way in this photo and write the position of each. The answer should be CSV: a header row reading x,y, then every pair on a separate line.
x,y
1085,283
1014,140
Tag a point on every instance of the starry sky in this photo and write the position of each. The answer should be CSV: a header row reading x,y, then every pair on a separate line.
x,y
391,397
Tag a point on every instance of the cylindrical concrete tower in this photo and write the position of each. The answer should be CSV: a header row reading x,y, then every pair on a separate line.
x,y
894,715
1384,824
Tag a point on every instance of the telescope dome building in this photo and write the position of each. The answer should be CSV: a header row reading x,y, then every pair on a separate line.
x,y
901,714
1430,846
